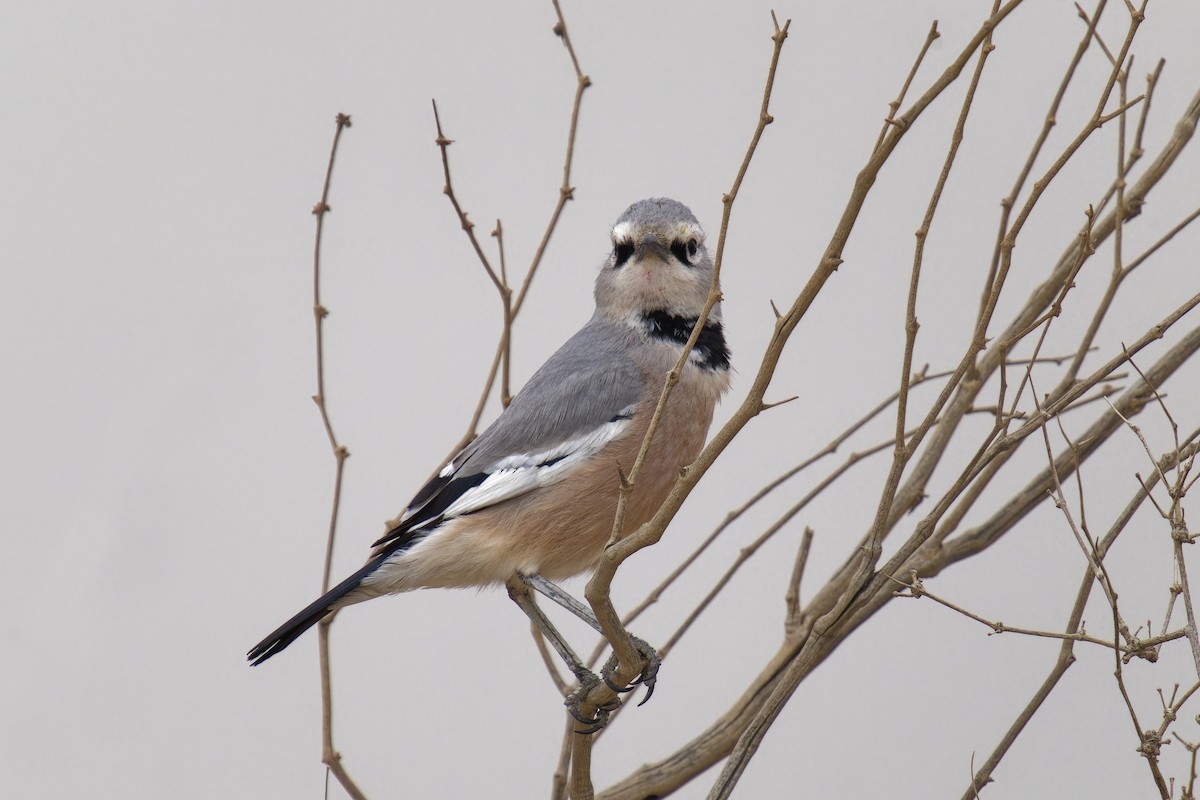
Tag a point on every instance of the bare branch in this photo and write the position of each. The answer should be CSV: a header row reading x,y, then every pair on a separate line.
x,y
914,588
792,598
468,227
329,756
749,741
829,449
565,190
894,105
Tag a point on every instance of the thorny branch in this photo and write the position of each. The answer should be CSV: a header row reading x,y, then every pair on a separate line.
x,y
932,548
905,447
511,302
329,756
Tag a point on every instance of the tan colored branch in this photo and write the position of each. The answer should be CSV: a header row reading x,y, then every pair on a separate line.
x,y
329,755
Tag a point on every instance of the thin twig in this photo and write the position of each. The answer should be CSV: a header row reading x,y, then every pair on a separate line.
x,y
866,559
747,552
914,486
468,226
1174,517
1048,122
713,743
915,588
1168,236
894,105
829,449
511,304
506,333
751,549
1066,656
329,756
904,449
792,598
565,190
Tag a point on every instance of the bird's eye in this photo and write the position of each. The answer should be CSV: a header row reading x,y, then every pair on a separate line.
x,y
692,247
621,253
684,252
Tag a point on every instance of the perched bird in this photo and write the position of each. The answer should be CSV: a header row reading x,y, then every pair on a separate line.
x,y
536,493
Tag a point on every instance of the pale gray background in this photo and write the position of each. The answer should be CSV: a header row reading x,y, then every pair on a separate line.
x,y
166,480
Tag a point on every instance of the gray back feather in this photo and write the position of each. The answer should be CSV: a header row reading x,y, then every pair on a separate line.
x,y
590,380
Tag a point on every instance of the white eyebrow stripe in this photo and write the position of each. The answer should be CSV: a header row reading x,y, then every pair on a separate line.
x,y
622,231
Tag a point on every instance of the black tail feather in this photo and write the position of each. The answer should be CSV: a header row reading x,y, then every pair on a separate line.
x,y
291,630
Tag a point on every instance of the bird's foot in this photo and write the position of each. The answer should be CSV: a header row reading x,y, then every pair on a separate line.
x,y
588,681
647,677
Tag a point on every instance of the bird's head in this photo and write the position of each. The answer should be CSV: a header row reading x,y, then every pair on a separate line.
x,y
658,263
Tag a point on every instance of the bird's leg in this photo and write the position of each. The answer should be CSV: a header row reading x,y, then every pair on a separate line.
x,y
563,598
650,658
518,591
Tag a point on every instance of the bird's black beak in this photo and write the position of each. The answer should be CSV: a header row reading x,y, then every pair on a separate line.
x,y
650,245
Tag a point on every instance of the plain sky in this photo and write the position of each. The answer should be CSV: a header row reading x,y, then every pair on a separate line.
x,y
165,478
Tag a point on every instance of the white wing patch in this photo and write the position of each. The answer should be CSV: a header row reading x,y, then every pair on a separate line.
x,y
522,472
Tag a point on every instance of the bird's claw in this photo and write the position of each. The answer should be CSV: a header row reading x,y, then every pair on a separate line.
x,y
587,682
647,677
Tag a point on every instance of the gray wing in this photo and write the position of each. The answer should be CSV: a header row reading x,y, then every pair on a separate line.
x,y
589,382
581,399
